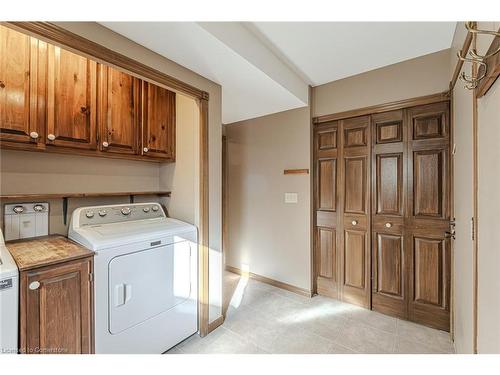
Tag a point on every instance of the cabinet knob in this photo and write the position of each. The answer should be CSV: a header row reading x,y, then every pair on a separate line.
x,y
354,222
105,144
51,137
146,149
34,285
18,209
34,135
388,225
2,85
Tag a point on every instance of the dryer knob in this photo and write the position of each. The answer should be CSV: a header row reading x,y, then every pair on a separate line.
x,y
126,211
146,209
89,214
155,208
102,213
38,207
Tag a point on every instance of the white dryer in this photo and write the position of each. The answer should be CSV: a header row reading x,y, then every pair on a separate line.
x,y
145,276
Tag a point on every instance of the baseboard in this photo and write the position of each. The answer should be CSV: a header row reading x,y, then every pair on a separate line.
x,y
276,283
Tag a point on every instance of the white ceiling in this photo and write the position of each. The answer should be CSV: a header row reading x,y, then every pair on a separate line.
x,y
266,67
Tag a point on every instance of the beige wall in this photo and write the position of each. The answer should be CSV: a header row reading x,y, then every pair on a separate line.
x,y
488,237
130,175
421,76
269,236
463,208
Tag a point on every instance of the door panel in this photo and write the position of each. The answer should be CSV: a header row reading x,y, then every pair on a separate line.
x,y
389,184
71,100
158,139
354,259
327,170
326,267
18,89
119,111
355,184
428,183
388,258
355,218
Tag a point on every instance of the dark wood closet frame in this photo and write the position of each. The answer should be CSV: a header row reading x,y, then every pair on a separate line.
x,y
59,36
320,121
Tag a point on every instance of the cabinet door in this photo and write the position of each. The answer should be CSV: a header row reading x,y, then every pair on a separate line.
x,y
56,311
119,111
355,190
428,214
325,196
18,90
389,255
158,139
71,100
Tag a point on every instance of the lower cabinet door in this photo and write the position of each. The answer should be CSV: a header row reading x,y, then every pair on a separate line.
x,y
56,310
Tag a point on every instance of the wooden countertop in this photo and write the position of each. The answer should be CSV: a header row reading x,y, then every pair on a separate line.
x,y
44,251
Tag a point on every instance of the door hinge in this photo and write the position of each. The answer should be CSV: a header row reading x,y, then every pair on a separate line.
x,y
91,277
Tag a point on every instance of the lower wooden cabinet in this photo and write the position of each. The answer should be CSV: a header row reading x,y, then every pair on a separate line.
x,y
56,309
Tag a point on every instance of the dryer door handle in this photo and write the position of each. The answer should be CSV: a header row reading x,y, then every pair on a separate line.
x,y
123,294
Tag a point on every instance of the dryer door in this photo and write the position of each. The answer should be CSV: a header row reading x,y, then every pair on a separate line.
x,y
147,283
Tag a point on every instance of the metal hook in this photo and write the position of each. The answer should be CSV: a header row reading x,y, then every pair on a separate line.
x,y
469,25
471,82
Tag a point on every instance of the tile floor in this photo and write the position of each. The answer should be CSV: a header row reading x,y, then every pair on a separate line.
x,y
263,319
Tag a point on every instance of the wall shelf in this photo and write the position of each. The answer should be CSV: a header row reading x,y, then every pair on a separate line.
x,y
66,196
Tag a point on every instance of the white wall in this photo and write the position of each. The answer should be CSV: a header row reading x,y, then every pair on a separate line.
x,y
269,236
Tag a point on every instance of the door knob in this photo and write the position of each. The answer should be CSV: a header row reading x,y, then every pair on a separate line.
x,y
34,285
388,225
354,222
105,144
146,149
51,137
34,135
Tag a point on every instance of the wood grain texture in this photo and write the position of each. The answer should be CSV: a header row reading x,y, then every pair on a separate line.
x,y
158,124
119,111
296,171
57,317
399,104
43,251
62,37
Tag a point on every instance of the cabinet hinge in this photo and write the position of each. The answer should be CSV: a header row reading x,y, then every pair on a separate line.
x,y
472,229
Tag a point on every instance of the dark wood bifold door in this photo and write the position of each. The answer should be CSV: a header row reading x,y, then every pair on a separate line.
x,y
382,212
355,208
389,254
428,217
326,150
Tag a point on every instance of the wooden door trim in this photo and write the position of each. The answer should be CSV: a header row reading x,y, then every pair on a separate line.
x,y
52,33
475,203
386,107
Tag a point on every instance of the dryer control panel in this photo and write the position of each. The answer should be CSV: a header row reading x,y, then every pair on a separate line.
x,y
119,213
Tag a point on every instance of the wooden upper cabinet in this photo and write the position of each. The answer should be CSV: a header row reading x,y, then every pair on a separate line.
x,y
119,111
158,137
19,90
71,100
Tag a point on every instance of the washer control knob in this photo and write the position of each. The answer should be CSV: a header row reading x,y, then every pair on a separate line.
x,y
102,213
89,214
18,209
155,208
146,209
126,211
38,208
